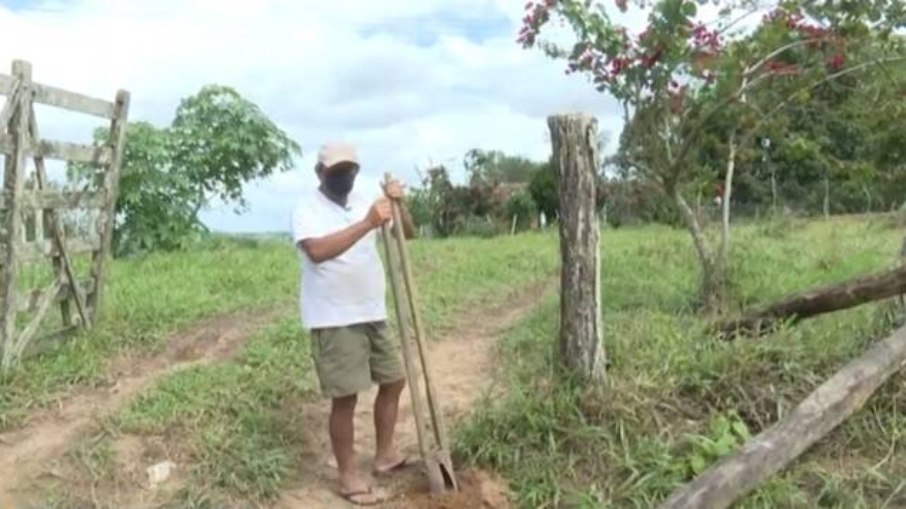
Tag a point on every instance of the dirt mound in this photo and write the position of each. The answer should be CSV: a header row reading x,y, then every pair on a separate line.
x,y
477,490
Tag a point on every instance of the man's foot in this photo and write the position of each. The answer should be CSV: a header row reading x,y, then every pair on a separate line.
x,y
396,463
365,496
358,492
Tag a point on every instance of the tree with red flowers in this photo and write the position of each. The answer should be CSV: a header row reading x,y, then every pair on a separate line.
x,y
681,76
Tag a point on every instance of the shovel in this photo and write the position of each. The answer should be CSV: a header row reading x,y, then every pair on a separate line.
x,y
432,443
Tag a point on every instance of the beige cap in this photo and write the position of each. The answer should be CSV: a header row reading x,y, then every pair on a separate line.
x,y
337,152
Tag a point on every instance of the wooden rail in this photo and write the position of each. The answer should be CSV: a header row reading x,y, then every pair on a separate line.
x,y
36,200
72,101
59,150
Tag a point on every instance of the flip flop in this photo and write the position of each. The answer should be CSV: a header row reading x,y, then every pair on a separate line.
x,y
379,498
403,464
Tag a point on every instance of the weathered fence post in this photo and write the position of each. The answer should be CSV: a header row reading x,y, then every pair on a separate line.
x,y
106,219
574,142
13,185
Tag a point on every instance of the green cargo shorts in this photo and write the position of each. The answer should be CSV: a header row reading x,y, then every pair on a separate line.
x,y
348,359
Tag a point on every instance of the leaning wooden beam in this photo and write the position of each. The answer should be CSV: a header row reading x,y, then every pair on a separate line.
x,y
771,450
61,260
817,301
35,324
61,150
72,101
44,342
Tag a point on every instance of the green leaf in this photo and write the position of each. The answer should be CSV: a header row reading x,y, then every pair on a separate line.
x,y
690,9
698,464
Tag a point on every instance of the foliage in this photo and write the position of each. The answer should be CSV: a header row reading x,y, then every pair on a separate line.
x,y
636,202
222,141
521,206
499,187
543,189
217,142
495,167
684,84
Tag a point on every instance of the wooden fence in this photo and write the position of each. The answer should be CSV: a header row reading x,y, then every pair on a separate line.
x,y
24,311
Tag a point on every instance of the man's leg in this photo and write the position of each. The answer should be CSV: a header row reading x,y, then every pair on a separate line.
x,y
341,360
387,371
386,409
342,440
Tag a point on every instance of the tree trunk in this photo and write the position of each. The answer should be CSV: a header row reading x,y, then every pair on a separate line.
x,y
826,197
877,286
723,257
773,192
774,448
712,279
867,199
575,158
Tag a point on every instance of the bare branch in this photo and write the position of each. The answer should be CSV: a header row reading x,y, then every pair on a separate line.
x,y
832,77
698,128
776,52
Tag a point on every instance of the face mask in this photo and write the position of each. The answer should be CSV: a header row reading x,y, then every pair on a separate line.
x,y
339,182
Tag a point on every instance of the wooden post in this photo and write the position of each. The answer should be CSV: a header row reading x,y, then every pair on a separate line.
x,y
14,185
772,449
574,141
106,218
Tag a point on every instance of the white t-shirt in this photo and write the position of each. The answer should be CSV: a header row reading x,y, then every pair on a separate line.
x,y
350,288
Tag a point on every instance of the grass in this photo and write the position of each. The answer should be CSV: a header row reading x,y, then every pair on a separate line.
x,y
149,299
237,424
677,400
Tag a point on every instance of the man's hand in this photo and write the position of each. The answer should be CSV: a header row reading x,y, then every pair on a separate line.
x,y
393,189
380,213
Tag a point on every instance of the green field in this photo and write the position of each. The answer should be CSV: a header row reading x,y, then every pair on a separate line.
x,y
675,399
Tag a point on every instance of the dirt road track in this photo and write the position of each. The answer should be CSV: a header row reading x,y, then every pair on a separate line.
x,y
463,367
31,452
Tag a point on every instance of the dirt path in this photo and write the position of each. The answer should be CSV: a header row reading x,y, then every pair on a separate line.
x,y
35,450
463,365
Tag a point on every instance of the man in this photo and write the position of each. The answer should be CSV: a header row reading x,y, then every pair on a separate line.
x,y
342,303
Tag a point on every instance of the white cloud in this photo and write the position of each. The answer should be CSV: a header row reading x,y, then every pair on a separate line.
x,y
341,69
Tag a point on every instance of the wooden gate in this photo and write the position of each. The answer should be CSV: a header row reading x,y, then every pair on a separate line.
x,y
25,316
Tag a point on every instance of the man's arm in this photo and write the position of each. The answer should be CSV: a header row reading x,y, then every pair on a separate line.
x,y
327,247
330,246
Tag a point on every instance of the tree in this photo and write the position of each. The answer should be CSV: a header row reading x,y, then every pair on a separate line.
x,y
680,75
543,190
217,142
495,167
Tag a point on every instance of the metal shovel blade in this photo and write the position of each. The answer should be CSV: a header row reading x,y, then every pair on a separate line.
x,y
440,472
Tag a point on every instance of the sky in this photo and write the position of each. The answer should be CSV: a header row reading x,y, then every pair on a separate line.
x,y
410,82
